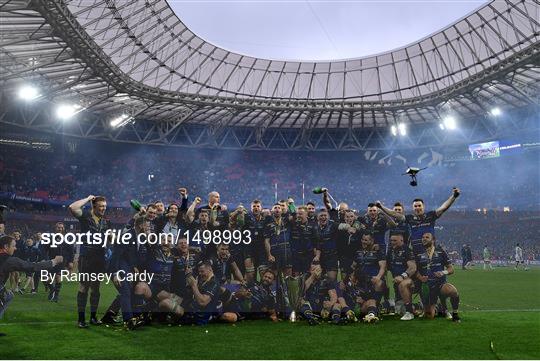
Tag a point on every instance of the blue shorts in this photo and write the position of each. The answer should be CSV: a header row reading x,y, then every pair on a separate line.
x,y
157,287
429,292
301,261
329,261
283,255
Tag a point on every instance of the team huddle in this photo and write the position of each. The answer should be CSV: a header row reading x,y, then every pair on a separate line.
x,y
288,262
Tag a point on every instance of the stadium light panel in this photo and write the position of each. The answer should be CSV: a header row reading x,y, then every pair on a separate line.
x,y
66,111
450,123
28,93
393,129
402,129
496,111
120,121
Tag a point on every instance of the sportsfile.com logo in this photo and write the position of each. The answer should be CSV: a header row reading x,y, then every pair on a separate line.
x,y
112,237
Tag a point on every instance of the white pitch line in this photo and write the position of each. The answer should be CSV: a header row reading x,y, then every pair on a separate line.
x,y
73,322
509,310
37,323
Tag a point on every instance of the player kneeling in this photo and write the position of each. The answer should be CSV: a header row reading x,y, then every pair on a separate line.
x,y
319,298
199,305
400,263
356,296
253,303
369,266
160,261
433,267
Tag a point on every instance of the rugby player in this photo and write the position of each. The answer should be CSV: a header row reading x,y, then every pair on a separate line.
x,y
223,266
31,254
369,265
14,277
377,223
255,302
255,223
204,247
242,252
518,256
304,237
66,251
219,216
433,266
400,262
92,256
420,222
172,222
487,257
125,259
319,297
200,303
402,226
160,208
160,260
356,297
184,263
312,214
326,247
277,241
348,241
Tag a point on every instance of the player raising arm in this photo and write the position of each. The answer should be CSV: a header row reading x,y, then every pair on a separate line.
x,y
420,221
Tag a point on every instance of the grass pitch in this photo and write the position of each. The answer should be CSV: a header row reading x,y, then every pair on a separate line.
x,y
500,306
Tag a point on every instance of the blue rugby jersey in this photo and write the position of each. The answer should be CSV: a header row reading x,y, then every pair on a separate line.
x,y
418,226
437,263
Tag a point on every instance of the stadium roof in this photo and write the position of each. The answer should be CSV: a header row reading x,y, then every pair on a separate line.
x,y
137,56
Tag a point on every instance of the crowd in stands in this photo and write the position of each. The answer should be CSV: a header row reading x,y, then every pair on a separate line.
x,y
121,173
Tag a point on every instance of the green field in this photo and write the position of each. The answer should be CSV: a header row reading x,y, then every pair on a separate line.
x,y
501,306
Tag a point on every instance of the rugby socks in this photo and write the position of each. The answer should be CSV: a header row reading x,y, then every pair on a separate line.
x,y
409,307
345,309
226,296
138,304
82,297
57,288
454,301
442,299
372,309
112,311
386,293
94,303
114,307
335,315
378,296
306,312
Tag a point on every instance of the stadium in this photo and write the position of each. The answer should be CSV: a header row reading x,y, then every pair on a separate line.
x,y
377,207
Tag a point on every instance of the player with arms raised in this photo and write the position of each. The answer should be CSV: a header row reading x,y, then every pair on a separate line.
x,y
421,222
